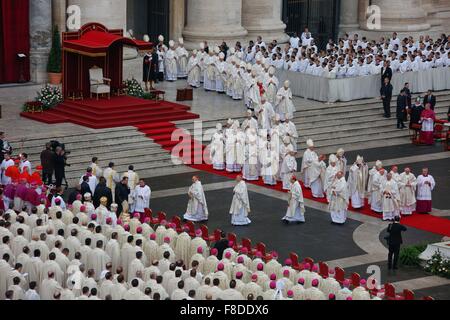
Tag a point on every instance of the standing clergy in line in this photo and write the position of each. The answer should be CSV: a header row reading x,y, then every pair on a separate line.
x,y
390,198
296,204
318,170
357,181
171,63
338,195
425,186
217,149
240,207
182,59
285,107
197,209
407,186
194,70
309,157
386,96
112,177
142,195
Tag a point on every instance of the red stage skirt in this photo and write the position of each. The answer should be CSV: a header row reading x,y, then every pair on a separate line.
x,y
426,137
424,206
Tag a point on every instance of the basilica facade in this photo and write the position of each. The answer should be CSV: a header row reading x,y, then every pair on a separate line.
x,y
218,20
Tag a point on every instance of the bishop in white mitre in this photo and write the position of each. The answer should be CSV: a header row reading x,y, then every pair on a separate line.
x,y
407,184
271,85
309,157
317,176
217,149
284,106
357,181
390,198
289,164
197,209
112,178
296,204
240,206
171,62
339,200
377,180
182,59
330,174
142,195
194,70
250,170
265,113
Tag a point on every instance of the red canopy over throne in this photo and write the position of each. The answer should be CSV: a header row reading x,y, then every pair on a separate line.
x,y
94,45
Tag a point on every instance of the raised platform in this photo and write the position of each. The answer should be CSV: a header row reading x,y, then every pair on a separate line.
x,y
113,113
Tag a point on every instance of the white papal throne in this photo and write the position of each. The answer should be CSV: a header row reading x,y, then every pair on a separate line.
x,y
99,84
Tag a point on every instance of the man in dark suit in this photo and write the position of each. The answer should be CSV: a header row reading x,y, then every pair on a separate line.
x,y
221,245
102,191
386,96
430,98
408,95
402,106
386,72
395,241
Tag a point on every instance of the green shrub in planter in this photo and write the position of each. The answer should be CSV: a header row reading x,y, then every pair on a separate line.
x,y
409,256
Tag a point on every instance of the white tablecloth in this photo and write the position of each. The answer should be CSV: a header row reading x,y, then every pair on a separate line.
x,y
348,89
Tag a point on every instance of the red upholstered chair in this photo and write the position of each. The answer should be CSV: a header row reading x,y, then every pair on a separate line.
x,y
439,132
155,220
247,243
324,270
310,261
261,247
162,216
177,221
339,274
233,238
205,234
191,228
295,264
356,280
390,294
428,298
408,294
148,213
217,235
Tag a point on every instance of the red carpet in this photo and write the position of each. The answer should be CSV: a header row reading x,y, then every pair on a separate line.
x,y
155,120
117,112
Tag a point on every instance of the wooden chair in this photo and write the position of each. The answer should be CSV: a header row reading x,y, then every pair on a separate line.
x,y
324,270
177,221
162,216
233,238
408,294
390,294
148,213
191,226
247,243
205,234
310,261
428,298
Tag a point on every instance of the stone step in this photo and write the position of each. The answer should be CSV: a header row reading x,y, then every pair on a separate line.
x,y
332,148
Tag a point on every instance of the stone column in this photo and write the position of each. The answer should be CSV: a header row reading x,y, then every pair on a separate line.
x,y
214,21
40,38
177,18
349,16
59,14
263,18
112,14
402,16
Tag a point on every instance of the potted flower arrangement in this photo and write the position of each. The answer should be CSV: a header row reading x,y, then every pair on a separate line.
x,y
54,67
134,88
49,97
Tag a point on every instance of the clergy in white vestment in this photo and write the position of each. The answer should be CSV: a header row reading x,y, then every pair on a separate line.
x,y
289,164
96,169
217,149
342,161
49,287
296,204
265,113
240,149
250,170
425,187
194,70
253,91
357,181
330,174
210,74
309,157
284,106
407,184
238,81
113,250
390,198
375,191
317,177
170,61
183,246
97,260
112,178
230,148
221,73
271,85
142,195
182,59
339,199
240,206
269,160
102,212
249,122
6,163
197,209
290,130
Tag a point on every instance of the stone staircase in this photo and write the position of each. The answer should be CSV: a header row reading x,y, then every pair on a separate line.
x,y
124,146
353,125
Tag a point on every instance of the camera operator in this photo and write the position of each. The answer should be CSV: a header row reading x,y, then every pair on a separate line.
x,y
60,165
5,146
